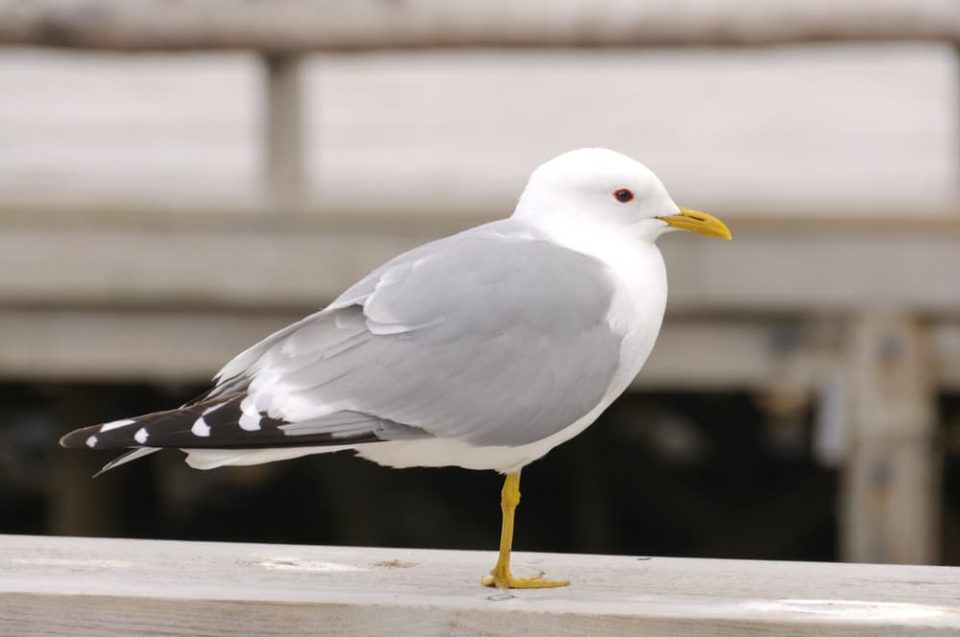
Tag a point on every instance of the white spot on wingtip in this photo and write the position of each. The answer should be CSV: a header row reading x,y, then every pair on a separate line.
x,y
116,424
249,422
249,418
200,428
92,441
141,435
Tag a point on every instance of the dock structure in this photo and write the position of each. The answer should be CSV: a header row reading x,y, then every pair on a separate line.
x,y
856,310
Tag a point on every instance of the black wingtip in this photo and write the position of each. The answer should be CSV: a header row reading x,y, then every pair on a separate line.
x,y
80,438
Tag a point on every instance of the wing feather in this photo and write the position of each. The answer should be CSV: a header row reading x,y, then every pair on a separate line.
x,y
494,336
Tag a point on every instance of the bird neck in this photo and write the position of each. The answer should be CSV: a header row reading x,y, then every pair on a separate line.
x,y
623,249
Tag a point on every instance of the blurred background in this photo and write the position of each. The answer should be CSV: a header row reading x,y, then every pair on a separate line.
x,y
177,180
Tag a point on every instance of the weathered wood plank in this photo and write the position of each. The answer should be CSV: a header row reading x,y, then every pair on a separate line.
x,y
310,25
105,587
892,477
117,296
181,132
188,344
306,260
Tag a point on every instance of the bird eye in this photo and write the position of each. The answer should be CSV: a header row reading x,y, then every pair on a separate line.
x,y
623,195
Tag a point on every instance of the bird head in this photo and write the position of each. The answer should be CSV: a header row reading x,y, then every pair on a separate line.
x,y
600,186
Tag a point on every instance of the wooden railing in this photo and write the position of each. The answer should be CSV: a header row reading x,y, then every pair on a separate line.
x,y
880,328
107,588
304,26
283,31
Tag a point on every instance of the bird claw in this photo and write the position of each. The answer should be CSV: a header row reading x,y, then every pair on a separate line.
x,y
507,580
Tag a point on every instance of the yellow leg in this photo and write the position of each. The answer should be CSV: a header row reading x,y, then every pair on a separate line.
x,y
500,576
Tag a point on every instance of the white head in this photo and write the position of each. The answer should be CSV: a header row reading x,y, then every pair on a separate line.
x,y
600,187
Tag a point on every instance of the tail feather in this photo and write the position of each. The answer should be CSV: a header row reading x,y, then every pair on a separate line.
x,y
226,429
187,426
225,422
130,456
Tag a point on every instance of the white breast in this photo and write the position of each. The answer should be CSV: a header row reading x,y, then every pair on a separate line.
x,y
636,312
638,306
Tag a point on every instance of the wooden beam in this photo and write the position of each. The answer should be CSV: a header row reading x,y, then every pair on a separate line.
x,y
892,473
944,348
188,344
104,588
283,133
304,261
299,26
77,505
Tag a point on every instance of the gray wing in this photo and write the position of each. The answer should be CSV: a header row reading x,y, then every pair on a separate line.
x,y
492,337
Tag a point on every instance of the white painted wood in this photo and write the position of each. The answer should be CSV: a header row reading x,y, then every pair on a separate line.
x,y
774,132
768,131
103,588
304,261
310,25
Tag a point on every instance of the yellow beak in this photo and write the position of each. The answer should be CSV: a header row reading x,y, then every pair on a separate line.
x,y
698,222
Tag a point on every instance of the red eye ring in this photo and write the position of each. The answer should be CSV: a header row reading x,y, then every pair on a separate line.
x,y
623,195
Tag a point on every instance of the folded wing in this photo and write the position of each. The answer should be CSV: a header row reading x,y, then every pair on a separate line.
x,y
494,336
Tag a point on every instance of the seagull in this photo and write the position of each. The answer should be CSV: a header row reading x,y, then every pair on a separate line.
x,y
484,350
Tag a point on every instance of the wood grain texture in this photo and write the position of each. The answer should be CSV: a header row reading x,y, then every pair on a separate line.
x,y
296,261
456,133
171,297
311,25
102,587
